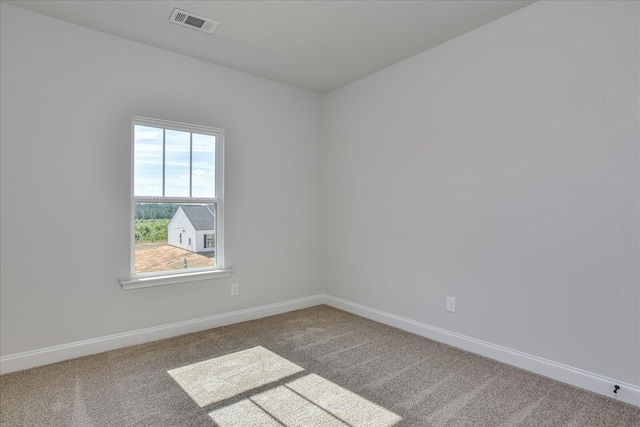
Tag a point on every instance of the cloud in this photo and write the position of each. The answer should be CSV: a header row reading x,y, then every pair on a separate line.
x,y
147,133
203,143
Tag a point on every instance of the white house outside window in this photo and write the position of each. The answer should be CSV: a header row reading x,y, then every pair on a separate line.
x,y
176,190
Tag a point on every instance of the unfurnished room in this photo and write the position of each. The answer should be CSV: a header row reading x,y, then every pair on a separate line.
x,y
320,213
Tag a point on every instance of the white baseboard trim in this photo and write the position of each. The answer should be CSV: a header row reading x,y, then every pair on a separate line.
x,y
589,381
577,377
45,356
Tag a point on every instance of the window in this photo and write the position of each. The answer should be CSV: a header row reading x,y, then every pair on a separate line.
x,y
208,241
176,190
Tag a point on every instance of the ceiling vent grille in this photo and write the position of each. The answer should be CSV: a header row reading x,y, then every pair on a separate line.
x,y
193,21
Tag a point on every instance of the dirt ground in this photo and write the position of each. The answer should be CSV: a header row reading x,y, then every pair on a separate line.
x,y
159,256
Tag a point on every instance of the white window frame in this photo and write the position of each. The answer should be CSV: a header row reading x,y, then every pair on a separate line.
x,y
140,280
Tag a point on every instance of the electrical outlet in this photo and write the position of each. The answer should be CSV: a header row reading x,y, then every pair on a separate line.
x,y
451,304
235,289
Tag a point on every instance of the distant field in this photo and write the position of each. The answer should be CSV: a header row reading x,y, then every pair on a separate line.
x,y
159,256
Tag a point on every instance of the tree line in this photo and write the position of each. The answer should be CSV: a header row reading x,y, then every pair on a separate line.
x,y
152,230
155,210
152,221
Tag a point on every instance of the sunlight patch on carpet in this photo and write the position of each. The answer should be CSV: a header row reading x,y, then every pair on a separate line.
x,y
243,414
309,401
342,403
226,376
281,405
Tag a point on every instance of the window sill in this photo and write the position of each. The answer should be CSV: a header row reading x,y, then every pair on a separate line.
x,y
146,282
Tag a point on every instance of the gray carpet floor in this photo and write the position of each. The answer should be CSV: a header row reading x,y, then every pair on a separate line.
x,y
409,378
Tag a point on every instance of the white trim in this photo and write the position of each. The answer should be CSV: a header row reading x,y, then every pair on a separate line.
x,y
589,381
45,356
577,377
184,127
220,180
171,279
218,200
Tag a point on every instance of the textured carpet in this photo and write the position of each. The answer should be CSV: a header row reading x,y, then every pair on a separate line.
x,y
318,366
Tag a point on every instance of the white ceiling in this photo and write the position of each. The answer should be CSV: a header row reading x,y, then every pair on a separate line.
x,y
316,45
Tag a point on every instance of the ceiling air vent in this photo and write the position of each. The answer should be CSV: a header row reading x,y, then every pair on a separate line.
x,y
194,21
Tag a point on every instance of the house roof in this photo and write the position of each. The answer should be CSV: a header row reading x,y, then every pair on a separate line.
x,y
201,217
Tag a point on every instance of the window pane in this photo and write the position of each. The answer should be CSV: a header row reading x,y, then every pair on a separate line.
x,y
177,163
171,236
203,169
147,161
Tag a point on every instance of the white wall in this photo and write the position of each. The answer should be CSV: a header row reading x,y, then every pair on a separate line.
x,y
68,95
500,168
178,223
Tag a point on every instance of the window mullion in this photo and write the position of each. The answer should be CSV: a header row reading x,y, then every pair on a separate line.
x,y
190,164
207,201
164,150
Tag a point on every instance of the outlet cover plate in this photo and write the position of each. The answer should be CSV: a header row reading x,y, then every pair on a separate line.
x,y
451,304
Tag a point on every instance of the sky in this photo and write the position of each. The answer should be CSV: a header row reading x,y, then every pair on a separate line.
x,y
148,159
